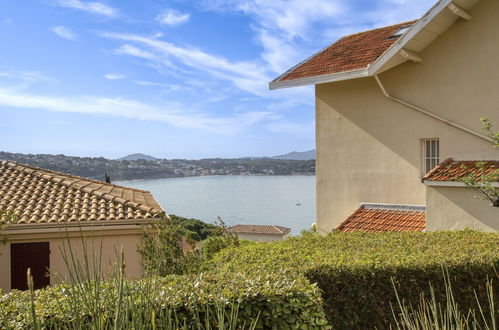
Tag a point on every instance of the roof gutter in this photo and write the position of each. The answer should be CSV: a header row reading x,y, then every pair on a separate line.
x,y
430,114
352,74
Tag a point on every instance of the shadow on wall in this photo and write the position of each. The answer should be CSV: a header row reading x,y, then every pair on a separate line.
x,y
451,208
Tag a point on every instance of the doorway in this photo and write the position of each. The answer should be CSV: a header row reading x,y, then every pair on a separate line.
x,y
29,255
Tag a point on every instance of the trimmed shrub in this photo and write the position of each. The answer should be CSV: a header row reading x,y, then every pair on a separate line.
x,y
354,270
271,301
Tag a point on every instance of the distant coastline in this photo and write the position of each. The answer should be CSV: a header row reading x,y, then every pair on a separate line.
x,y
141,169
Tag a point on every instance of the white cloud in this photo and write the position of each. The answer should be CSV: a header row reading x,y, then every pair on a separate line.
x,y
113,76
90,7
289,31
248,76
64,32
172,114
172,17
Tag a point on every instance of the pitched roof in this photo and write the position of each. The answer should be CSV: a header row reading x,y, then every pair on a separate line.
x,y
356,51
259,229
36,195
369,53
385,217
451,170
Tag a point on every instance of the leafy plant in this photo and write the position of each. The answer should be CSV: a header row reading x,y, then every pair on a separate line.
x,y
162,252
431,314
485,177
219,240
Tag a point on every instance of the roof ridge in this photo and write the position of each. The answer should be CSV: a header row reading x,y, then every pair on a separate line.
x,y
408,23
393,207
101,195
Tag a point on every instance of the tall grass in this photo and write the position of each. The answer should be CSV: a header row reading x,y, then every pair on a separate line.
x,y
110,301
431,314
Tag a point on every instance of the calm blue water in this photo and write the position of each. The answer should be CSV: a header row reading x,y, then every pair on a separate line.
x,y
237,199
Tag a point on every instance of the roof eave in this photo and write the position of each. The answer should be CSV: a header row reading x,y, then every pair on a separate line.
x,y
346,75
437,183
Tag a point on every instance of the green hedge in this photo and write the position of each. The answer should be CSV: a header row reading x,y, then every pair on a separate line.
x,y
273,301
354,270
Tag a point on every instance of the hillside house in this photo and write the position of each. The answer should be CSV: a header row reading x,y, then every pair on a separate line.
x,y
57,214
393,103
260,233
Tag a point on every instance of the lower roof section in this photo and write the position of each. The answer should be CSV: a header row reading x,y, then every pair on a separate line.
x,y
376,217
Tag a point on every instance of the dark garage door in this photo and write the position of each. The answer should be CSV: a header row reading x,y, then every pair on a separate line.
x,y
29,255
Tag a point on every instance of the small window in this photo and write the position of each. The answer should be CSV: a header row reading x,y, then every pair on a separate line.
x,y
401,31
431,154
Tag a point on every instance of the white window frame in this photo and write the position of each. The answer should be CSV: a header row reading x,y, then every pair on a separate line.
x,y
429,158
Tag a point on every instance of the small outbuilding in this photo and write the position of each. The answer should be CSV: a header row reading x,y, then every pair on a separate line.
x,y
260,233
57,218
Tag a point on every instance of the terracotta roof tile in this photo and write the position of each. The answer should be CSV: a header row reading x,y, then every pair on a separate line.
x,y
259,229
356,51
385,217
36,195
451,170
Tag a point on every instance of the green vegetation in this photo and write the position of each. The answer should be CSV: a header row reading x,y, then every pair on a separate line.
x,y
195,229
484,181
162,252
196,301
431,314
355,270
350,281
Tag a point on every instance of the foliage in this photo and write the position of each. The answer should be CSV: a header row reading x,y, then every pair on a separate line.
x,y
6,218
162,253
220,239
355,270
267,301
196,230
484,181
431,314
487,127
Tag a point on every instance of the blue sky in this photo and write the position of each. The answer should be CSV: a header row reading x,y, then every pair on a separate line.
x,y
173,79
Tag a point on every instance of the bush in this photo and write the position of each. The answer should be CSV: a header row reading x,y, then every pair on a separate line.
x,y
162,252
354,270
196,230
270,301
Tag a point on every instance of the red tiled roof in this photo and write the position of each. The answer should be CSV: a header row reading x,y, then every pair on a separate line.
x,y
451,170
36,195
259,229
381,218
352,52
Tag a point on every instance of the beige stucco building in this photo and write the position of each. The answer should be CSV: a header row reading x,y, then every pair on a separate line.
x,y
59,216
394,102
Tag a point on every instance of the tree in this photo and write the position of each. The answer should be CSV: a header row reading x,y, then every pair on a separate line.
x,y
486,177
162,253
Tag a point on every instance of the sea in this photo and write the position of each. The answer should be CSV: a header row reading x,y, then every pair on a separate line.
x,y
287,201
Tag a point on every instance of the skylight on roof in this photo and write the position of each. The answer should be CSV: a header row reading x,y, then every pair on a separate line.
x,y
401,31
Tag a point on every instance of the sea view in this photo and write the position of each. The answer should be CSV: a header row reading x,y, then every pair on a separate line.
x,y
278,200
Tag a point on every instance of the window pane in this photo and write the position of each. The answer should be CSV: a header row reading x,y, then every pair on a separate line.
x,y
428,165
427,147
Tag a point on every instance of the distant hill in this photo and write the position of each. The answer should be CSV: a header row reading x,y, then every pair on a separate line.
x,y
297,155
137,157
